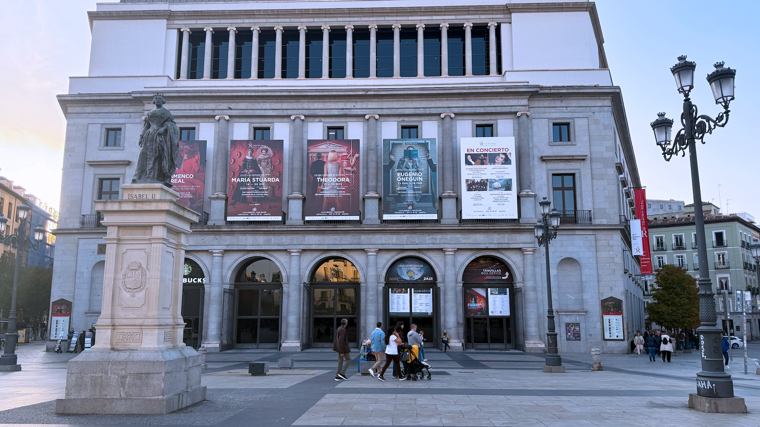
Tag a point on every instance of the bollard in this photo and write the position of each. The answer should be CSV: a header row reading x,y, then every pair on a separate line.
x,y
596,357
202,352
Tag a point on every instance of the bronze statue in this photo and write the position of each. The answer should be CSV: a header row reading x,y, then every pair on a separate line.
x,y
159,145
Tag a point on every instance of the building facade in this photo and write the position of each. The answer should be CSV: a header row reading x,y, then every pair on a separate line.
x,y
11,196
659,208
46,217
381,91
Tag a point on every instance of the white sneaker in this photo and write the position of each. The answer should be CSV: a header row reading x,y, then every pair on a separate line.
x,y
372,372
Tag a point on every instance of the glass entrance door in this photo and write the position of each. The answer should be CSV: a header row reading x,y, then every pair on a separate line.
x,y
192,312
331,303
258,317
419,309
488,304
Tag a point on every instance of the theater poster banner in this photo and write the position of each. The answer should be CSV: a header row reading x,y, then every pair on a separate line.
x,y
488,178
189,178
332,181
645,261
409,179
254,192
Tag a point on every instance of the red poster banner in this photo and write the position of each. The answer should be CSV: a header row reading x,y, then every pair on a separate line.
x,y
188,180
254,192
645,261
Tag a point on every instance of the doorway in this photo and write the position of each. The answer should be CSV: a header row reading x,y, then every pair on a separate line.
x,y
411,296
488,304
258,305
193,292
334,295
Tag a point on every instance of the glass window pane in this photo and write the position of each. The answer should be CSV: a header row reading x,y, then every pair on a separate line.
x,y
105,185
455,41
269,331
384,52
350,329
496,332
243,52
267,47
361,53
324,329
565,132
324,302
337,53
480,54
569,200
568,181
557,201
197,47
260,270
555,130
290,42
432,42
408,52
220,50
480,330
314,54
336,270
346,302
557,181
247,331
270,302
248,302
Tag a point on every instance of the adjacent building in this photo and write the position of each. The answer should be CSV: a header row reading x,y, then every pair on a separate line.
x,y
374,161
10,197
658,208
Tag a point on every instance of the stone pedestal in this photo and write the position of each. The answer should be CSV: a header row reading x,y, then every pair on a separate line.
x,y
139,364
730,405
527,207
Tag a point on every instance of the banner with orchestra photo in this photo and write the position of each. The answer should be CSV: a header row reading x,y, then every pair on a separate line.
x,y
254,191
488,178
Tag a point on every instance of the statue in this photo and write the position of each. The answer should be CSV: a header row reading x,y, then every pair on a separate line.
x,y
159,145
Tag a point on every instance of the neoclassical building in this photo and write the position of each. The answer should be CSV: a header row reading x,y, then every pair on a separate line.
x,y
408,86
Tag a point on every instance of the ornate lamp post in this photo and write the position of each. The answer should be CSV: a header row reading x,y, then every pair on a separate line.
x,y
546,231
712,381
21,242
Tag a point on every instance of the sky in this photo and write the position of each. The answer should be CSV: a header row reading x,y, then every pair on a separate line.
x,y
46,41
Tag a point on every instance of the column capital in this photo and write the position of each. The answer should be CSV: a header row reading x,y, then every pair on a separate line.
x,y
326,27
222,116
449,251
452,115
217,252
278,28
420,26
207,29
394,26
528,251
230,29
367,117
350,27
520,113
256,29
186,29
372,26
295,116
492,24
294,252
371,252
444,25
303,27
467,24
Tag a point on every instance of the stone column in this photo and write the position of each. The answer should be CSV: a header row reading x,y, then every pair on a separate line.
x,y
292,316
373,294
449,196
216,308
231,50
444,50
185,51
372,198
396,50
533,343
325,51
219,179
525,169
207,54
255,53
492,49
420,50
278,53
349,51
372,51
302,52
295,199
450,299
468,49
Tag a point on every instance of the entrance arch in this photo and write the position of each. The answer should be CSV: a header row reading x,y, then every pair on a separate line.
x,y
488,287
258,304
411,296
333,295
193,292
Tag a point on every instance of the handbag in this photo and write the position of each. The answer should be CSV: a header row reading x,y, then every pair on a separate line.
x,y
405,357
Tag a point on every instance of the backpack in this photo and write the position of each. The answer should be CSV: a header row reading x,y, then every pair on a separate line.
x,y
665,341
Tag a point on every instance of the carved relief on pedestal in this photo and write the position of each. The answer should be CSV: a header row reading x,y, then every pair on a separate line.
x,y
134,281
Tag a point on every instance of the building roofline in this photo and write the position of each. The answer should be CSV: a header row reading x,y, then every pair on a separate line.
x,y
690,220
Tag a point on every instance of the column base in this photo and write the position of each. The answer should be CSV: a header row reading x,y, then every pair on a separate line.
x,y
371,208
554,369
716,405
295,209
291,346
10,368
535,347
218,209
449,208
212,347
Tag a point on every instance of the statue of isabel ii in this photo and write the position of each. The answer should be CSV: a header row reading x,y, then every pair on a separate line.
x,y
159,145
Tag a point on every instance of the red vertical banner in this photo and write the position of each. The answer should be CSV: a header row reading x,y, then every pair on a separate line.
x,y
645,260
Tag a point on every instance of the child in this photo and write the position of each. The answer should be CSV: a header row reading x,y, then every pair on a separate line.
x,y
422,348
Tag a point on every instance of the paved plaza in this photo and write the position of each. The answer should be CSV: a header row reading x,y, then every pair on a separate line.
x,y
467,389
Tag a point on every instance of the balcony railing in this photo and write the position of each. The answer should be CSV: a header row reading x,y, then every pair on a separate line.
x,y
742,243
722,265
695,267
722,244
660,247
575,217
92,220
679,246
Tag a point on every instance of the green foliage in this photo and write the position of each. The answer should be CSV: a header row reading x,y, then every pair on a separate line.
x,y
675,299
33,292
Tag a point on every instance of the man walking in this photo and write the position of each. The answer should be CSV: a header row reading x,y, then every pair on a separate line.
x,y
340,345
378,348
445,338
413,338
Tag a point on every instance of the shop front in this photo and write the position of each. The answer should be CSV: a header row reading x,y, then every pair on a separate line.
x,y
258,305
411,296
333,294
488,304
193,292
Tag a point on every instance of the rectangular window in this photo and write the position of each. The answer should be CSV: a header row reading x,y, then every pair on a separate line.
x,y
219,52
361,53
335,133
561,133
10,211
314,54
483,131
113,138
108,189
408,52
696,262
261,134
719,239
480,54
290,42
432,45
659,243
455,42
721,258
187,134
196,55
409,132
243,53
680,261
660,261
384,52
678,242
694,240
563,191
649,206
338,54
2,204
267,47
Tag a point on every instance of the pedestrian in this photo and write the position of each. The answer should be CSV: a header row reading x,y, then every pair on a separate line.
x,y
377,344
392,341
400,332
445,339
413,338
80,342
652,347
43,330
422,346
639,341
666,348
658,337
340,346
725,345
68,342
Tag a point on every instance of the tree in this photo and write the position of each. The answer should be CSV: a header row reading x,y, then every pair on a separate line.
x,y
675,299
32,293
7,263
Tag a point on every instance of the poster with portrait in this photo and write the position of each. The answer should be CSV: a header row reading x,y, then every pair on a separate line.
x,y
410,179
475,304
332,180
189,178
572,331
488,178
498,301
254,191
398,300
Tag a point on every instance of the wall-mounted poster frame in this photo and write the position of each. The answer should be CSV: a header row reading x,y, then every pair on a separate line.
x,y
613,327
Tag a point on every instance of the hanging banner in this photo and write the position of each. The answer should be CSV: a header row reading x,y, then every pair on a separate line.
x,y
645,261
189,178
637,242
332,184
488,176
410,182
254,192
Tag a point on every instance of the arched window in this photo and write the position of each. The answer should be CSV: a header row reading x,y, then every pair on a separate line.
x,y
335,270
259,270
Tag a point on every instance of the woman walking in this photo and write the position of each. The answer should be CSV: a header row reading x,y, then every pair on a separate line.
x,y
666,348
392,341
639,341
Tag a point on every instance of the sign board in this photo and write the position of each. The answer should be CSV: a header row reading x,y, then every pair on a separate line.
x,y
475,301
254,191
190,176
59,319
332,180
489,178
612,319
422,301
498,301
410,180
572,331
398,300
637,242
645,261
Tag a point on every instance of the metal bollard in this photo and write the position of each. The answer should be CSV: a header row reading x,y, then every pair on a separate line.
x,y
596,354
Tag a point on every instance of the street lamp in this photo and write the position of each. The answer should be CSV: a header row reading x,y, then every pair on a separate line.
x,y
546,231
712,381
21,242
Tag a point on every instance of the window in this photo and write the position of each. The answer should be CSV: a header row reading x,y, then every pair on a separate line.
x,y
290,46
680,261
661,207
719,239
721,259
432,46
361,53
562,133
108,189
10,211
680,208
724,283
2,204
113,138
338,54
480,55
261,134
197,48
659,243
267,47
408,51
409,132
219,52
678,242
483,131
314,54
563,187
455,43
660,261
649,206
187,134
335,133
243,53
696,261
384,52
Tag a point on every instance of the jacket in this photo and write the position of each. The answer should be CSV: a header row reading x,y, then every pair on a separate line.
x,y
413,338
638,340
725,344
669,345
651,341
378,340
340,345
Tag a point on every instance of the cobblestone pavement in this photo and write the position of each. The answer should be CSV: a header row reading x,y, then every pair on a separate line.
x,y
467,389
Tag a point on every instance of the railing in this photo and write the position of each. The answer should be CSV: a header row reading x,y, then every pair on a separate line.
x,y
742,243
92,220
722,244
722,265
695,267
575,217
660,248
679,247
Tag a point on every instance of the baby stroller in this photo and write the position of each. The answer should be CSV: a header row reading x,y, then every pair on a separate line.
x,y
414,368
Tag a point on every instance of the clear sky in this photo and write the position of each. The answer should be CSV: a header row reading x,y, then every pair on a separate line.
x,y
46,41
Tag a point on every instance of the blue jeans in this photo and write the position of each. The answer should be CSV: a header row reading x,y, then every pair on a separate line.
x,y
652,352
422,352
725,356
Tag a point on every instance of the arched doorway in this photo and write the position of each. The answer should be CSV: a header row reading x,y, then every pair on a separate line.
x,y
411,296
334,295
258,304
488,304
193,291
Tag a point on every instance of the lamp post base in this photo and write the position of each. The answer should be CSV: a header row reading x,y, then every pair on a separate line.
x,y
554,369
729,405
10,368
